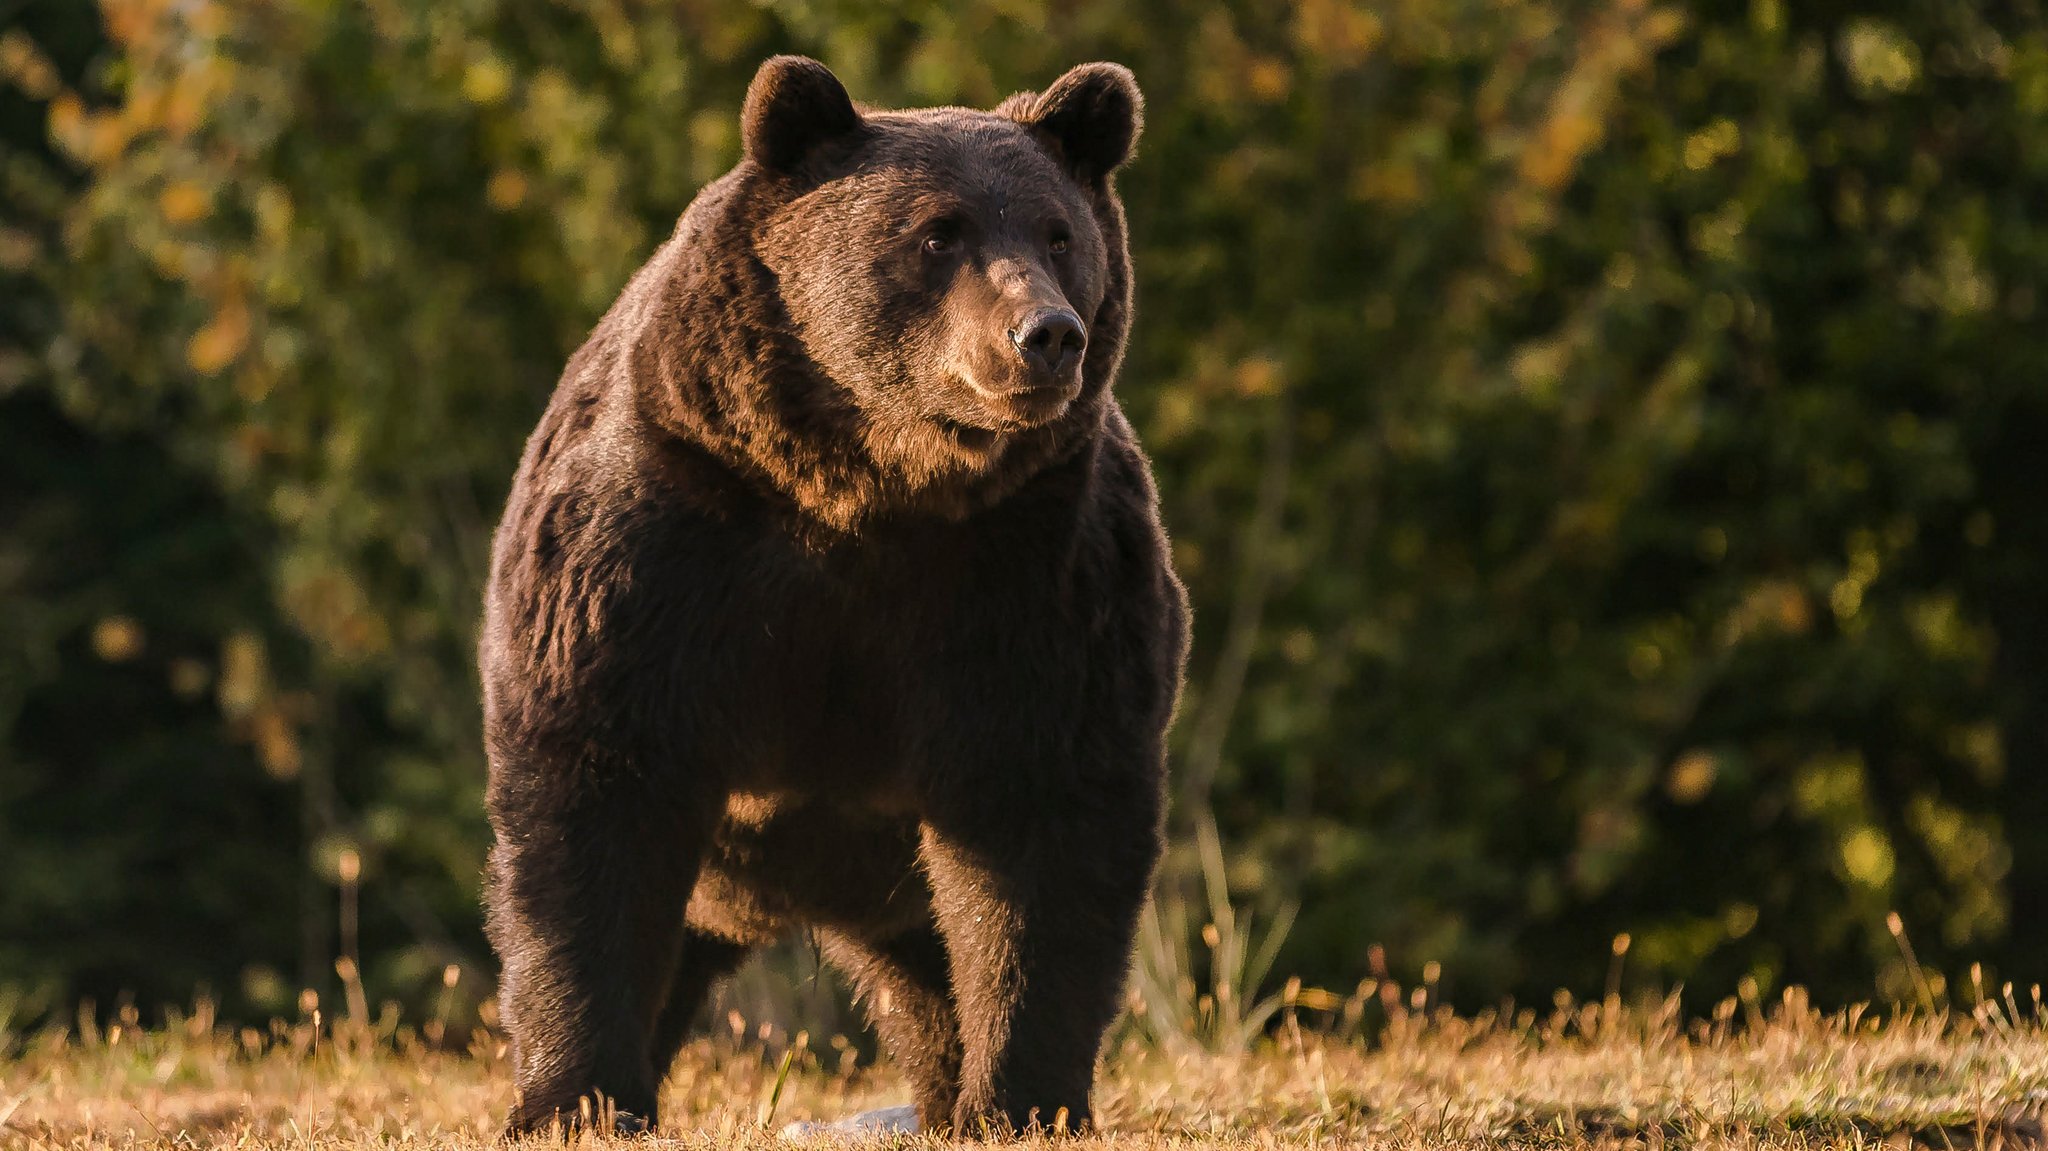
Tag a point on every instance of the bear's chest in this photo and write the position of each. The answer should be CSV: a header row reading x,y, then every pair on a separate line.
x,y
836,671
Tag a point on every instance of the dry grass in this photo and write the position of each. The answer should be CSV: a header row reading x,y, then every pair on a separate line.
x,y
1585,1075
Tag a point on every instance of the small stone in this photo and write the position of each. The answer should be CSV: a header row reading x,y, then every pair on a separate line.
x,y
882,1121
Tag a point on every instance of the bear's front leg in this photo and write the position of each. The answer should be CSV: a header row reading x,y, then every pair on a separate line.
x,y
1038,893
586,898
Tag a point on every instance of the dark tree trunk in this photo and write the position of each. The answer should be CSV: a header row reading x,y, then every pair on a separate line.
x,y
2016,595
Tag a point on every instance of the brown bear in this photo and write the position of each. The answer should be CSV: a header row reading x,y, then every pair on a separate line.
x,y
832,594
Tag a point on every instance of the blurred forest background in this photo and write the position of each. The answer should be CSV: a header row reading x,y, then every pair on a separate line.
x,y
1607,444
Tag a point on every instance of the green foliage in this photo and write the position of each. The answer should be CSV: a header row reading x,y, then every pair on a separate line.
x,y
1602,441
1167,1008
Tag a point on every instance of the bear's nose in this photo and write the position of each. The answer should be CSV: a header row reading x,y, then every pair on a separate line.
x,y
1051,340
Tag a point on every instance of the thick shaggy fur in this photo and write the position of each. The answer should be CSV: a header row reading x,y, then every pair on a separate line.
x,y
816,603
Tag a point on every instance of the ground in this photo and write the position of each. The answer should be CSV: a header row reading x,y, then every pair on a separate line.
x,y
1591,1075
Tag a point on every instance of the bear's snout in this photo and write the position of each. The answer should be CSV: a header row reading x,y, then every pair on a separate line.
x,y
1051,341
1032,372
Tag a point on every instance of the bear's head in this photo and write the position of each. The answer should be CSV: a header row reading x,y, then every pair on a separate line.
x,y
951,287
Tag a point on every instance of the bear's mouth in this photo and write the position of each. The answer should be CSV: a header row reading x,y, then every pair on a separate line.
x,y
1017,409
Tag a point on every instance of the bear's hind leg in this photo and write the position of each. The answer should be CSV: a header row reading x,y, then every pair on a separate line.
x,y
586,914
905,983
706,959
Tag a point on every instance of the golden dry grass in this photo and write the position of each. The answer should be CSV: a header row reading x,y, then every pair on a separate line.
x,y
1585,1075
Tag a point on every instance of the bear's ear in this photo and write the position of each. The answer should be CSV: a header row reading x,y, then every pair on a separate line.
x,y
793,105
1093,114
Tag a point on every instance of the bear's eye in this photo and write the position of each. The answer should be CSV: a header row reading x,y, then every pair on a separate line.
x,y
941,236
1058,245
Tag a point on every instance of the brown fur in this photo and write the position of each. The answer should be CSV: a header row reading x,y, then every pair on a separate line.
x,y
818,602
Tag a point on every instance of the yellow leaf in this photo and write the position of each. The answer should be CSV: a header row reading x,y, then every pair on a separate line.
x,y
1336,31
18,249
1692,777
22,62
277,745
507,189
117,638
1259,376
67,122
216,345
1269,79
486,81
184,202
1560,142
244,675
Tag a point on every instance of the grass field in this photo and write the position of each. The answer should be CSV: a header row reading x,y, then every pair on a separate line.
x,y
1581,1075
